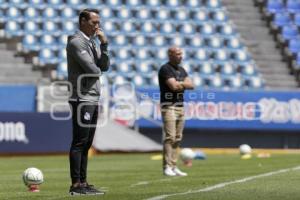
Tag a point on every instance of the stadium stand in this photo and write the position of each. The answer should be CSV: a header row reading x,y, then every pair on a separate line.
x,y
139,33
282,20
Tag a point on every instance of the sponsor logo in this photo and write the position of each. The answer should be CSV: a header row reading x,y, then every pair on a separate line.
x,y
13,132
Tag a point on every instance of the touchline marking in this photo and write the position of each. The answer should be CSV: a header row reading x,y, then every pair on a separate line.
x,y
148,182
221,185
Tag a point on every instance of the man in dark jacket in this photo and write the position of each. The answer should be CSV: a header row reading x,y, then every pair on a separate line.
x,y
86,61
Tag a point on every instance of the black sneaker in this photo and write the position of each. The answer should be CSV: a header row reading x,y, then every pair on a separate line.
x,y
79,190
91,189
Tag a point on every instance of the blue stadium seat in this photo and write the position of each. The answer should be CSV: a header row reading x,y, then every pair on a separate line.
x,y
162,14
254,82
124,13
144,68
200,16
143,13
193,3
240,56
39,4
94,3
30,43
50,27
49,42
187,29
106,13
62,40
227,68
215,42
216,81
159,41
13,28
18,3
202,55
51,14
213,4
139,81
120,40
148,27
133,3
221,56
62,70
57,4
2,17
31,27
110,26
177,40
206,68
181,14
62,55
75,4
3,4
68,13
220,16
248,69
297,19
293,6
167,28
226,30
128,27
288,33
235,82
46,56
68,28
294,46
153,3
280,19
233,43
13,13
274,6
172,3
113,3
207,29
32,14
197,80
195,41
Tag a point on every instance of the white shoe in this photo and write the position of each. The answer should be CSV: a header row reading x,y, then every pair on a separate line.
x,y
178,172
169,172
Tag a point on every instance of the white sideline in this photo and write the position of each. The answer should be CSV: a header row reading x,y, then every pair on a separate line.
x,y
154,181
221,185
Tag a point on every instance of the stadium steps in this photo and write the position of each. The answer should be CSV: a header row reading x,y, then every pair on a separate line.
x,y
14,70
255,35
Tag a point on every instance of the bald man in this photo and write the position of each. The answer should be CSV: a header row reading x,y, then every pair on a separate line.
x,y
173,81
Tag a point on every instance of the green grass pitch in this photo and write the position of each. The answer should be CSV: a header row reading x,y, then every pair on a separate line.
x,y
136,176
